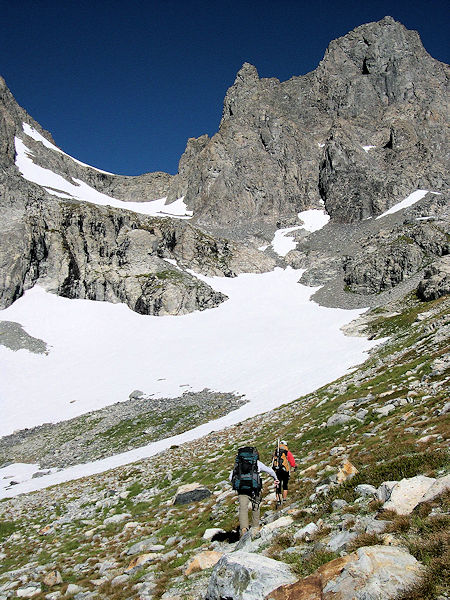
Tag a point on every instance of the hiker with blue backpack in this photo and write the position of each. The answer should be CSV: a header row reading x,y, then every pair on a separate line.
x,y
246,480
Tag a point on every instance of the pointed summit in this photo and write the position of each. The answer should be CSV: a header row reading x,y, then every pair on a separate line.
x,y
246,74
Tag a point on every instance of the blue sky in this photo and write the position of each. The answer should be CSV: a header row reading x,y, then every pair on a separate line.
x,y
123,85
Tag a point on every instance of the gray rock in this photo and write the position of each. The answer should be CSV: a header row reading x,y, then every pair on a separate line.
x,y
306,532
191,492
365,490
28,592
445,409
408,493
439,487
338,504
339,419
119,518
436,281
245,576
145,545
375,526
120,579
339,541
383,411
376,572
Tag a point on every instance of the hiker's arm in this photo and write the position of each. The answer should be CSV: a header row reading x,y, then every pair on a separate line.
x,y
291,459
263,467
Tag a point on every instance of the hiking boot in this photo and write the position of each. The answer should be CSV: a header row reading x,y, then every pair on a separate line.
x,y
243,532
255,532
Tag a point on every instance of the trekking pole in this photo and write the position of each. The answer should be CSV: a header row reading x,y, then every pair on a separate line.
x,y
278,487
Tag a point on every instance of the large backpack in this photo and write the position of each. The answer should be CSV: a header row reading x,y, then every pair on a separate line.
x,y
280,461
246,478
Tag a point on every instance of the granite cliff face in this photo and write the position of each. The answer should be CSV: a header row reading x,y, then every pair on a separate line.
x,y
83,250
281,147
357,135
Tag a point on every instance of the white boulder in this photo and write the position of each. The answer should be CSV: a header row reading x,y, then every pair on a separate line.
x,y
408,493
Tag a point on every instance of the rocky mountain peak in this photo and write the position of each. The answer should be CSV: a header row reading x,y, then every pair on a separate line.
x,y
382,49
246,74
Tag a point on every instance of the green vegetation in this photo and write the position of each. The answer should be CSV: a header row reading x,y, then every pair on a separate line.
x,y
7,528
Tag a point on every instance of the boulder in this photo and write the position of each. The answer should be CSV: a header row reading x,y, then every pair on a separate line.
x,y
338,504
365,490
346,471
407,494
306,532
385,490
143,559
52,578
146,545
340,540
28,592
339,419
440,486
120,579
116,519
383,411
311,587
203,561
371,573
191,492
375,526
246,576
72,589
277,524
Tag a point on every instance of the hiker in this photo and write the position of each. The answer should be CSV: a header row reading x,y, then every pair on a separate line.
x,y
246,480
282,462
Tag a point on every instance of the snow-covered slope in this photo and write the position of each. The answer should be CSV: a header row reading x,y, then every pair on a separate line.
x,y
269,341
76,189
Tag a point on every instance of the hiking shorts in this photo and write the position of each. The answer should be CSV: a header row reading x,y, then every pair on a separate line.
x,y
283,478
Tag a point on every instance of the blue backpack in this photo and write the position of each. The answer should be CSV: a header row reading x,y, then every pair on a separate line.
x,y
246,478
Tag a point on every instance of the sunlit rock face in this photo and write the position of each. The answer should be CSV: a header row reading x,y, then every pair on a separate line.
x,y
354,137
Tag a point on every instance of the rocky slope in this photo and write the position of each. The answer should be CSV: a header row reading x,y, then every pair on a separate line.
x,y
372,450
84,250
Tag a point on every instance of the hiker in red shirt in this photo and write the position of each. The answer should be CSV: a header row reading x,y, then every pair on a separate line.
x,y
283,462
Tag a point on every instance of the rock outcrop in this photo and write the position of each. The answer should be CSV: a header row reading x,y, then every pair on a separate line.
x,y
246,576
372,573
363,130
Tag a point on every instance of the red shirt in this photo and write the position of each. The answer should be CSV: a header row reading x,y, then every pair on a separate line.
x,y
291,459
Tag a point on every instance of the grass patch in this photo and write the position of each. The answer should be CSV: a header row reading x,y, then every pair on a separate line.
x,y
7,528
304,566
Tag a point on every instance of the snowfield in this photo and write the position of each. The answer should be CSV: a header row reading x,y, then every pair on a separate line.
x,y
269,341
79,190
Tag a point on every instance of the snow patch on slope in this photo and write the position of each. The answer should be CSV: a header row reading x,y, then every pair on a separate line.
x,y
79,190
33,133
313,220
409,201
